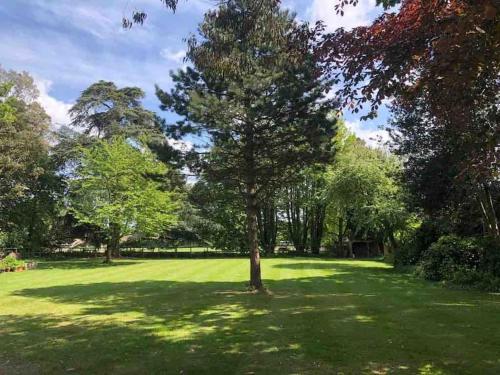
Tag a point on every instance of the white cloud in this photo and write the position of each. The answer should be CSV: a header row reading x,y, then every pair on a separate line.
x,y
175,56
360,15
372,137
56,109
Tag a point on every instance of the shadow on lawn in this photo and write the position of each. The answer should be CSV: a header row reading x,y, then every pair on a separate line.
x,y
346,322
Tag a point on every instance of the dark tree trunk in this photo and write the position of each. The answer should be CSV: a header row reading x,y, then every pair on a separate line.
x,y
380,248
297,220
317,225
350,252
341,237
394,244
113,245
109,251
268,226
253,239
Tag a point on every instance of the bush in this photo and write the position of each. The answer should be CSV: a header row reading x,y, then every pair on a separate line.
x,y
491,260
10,262
448,255
415,243
465,261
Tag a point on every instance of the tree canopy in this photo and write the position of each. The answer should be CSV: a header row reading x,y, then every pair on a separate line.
x,y
114,190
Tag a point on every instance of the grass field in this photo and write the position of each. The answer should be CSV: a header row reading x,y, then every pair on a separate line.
x,y
195,317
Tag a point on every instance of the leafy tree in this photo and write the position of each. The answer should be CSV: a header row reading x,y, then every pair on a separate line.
x,y
107,111
318,202
257,92
219,217
297,215
440,61
421,47
28,184
114,191
436,167
365,196
304,206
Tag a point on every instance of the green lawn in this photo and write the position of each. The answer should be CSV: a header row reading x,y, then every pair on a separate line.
x,y
195,317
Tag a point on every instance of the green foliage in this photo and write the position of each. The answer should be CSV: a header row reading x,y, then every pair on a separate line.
x,y
257,93
10,262
219,216
29,186
366,197
24,126
118,186
466,261
447,255
7,110
107,111
415,241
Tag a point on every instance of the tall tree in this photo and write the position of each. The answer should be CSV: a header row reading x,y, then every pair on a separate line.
x,y
366,197
114,191
27,176
421,47
434,164
256,90
106,111
303,203
441,58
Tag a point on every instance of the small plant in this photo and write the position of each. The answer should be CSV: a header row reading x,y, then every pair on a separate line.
x,y
10,263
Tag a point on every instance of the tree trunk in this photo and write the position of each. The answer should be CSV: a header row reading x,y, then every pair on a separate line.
x,y
253,238
317,225
113,245
380,248
340,251
350,252
108,253
394,244
488,212
268,228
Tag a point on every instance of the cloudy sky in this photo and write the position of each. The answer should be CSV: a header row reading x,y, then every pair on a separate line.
x,y
66,45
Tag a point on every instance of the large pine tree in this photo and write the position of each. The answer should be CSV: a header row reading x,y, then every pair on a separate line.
x,y
257,92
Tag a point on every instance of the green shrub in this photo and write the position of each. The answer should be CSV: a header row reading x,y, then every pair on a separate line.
x,y
415,243
448,255
465,261
491,260
11,262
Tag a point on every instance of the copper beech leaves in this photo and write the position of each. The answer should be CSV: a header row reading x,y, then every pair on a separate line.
x,y
443,47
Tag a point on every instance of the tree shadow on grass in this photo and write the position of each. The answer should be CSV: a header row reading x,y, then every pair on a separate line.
x,y
346,322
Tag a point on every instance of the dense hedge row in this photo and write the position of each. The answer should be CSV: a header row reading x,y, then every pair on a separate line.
x,y
465,261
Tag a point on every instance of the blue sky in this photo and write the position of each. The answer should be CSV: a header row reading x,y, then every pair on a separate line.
x,y
66,45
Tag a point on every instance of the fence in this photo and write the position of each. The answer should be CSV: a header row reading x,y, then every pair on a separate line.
x,y
183,251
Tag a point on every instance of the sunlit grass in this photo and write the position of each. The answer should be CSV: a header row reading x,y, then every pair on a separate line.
x,y
196,316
